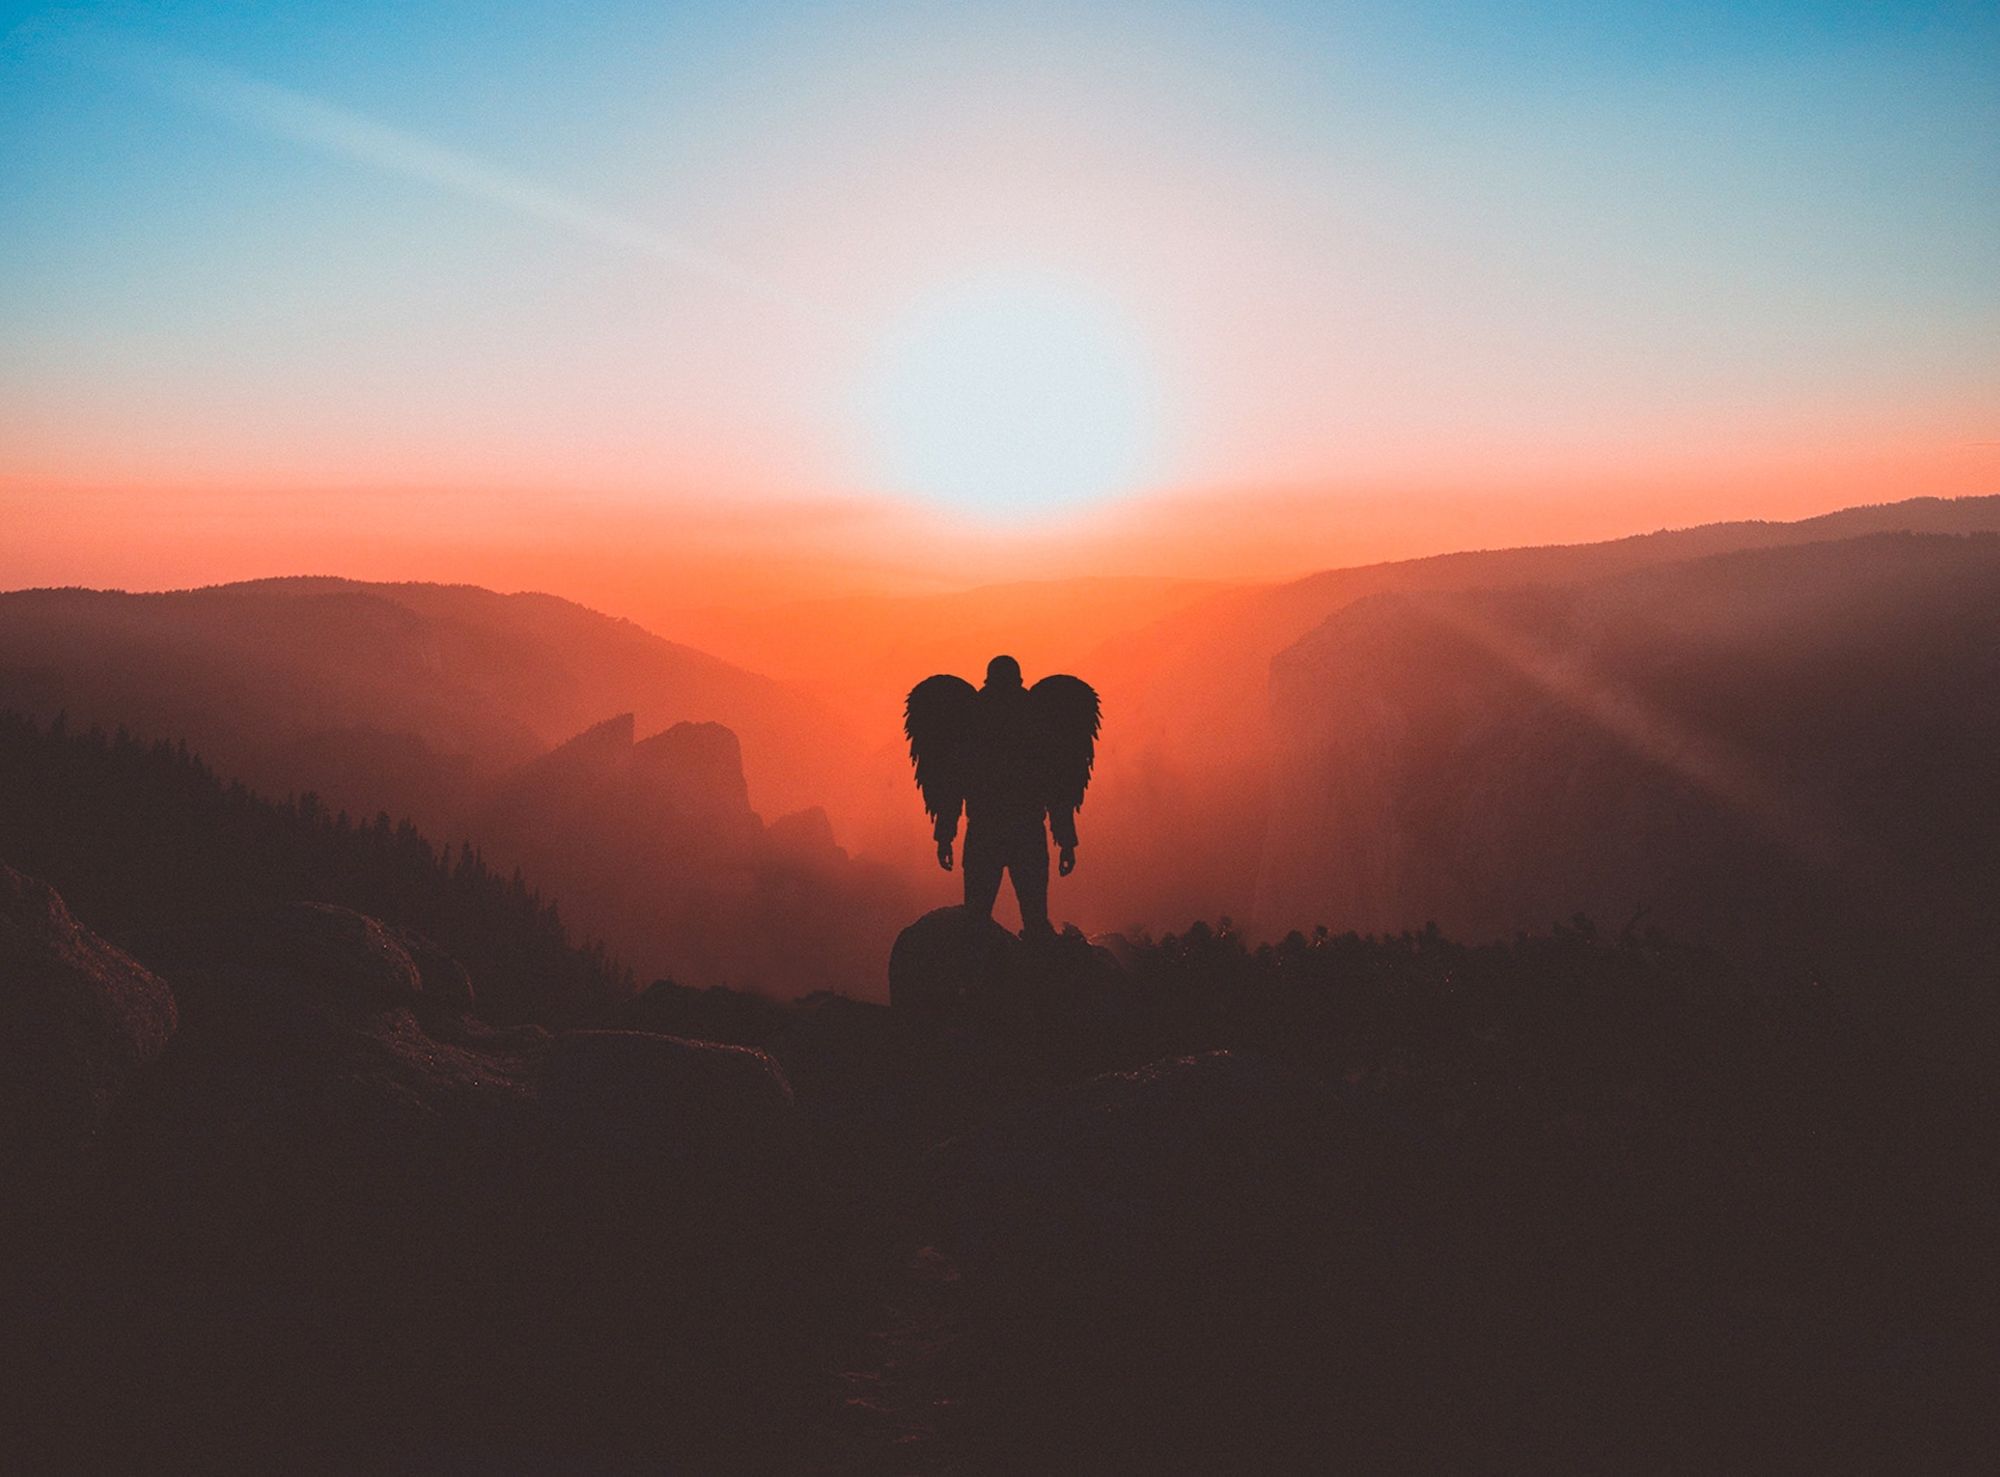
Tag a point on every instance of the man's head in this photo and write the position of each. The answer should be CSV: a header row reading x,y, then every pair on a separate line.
x,y
1003,672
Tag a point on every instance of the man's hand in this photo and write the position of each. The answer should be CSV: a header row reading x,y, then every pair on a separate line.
x,y
944,855
1066,861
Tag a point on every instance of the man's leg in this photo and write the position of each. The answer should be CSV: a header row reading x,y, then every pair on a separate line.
x,y
1028,865
981,864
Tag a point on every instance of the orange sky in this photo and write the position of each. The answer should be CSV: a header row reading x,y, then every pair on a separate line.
x,y
645,559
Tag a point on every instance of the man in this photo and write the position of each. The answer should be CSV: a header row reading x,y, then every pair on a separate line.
x,y
1015,760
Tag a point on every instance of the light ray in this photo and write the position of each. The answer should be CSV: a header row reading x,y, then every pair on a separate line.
x,y
1784,814
279,112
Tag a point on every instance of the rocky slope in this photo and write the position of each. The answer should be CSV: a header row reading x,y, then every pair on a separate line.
x,y
1734,745
338,1222
1563,1204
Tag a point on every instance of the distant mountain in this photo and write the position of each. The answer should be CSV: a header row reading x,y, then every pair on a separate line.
x,y
654,847
1771,743
1183,766
402,697
454,707
440,702
856,644
861,654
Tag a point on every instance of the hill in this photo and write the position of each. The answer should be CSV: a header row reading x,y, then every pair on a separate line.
x,y
405,697
1787,743
1184,768
156,851
440,703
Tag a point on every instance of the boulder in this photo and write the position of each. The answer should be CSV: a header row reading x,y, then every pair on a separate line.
x,y
352,1213
669,1096
318,955
948,957
718,1013
443,980
77,1019
1051,993
838,1050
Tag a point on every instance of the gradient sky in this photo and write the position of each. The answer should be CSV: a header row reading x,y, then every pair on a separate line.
x,y
591,297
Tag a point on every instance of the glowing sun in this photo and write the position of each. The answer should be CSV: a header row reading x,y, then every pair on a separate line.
x,y
1006,396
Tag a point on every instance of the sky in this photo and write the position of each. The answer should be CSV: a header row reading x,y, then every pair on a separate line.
x,y
746,301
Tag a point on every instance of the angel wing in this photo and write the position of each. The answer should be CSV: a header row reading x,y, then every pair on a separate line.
x,y
938,719
1068,713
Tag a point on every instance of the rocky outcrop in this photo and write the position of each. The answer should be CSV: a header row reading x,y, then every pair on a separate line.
x,y
78,1018
947,957
347,1205
685,784
669,1096
803,836
696,770
651,845
951,963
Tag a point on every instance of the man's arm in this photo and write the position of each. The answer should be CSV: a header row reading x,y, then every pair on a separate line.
x,y
945,832
1062,826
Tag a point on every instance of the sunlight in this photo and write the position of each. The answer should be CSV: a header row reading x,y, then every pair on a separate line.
x,y
1012,396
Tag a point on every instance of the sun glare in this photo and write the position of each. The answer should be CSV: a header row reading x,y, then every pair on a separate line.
x,y
1013,396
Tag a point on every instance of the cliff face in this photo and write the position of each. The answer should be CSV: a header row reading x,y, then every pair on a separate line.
x,y
331,1210
1741,739
1184,779
608,794
652,846
78,1019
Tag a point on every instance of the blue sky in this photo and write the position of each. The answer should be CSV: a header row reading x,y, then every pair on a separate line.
x,y
1352,243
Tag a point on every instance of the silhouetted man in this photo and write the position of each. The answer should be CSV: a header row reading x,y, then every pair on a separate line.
x,y
1012,758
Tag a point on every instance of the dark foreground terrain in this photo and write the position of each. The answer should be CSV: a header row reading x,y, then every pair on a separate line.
x,y
276,1198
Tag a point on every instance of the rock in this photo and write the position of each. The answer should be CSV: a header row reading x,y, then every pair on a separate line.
x,y
947,957
718,1013
77,1019
323,954
1067,965
840,1050
1056,989
318,956
352,1214
669,1096
443,980
803,836
1116,948
695,770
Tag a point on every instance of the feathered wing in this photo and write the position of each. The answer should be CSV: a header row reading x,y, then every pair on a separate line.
x,y
1068,716
938,719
